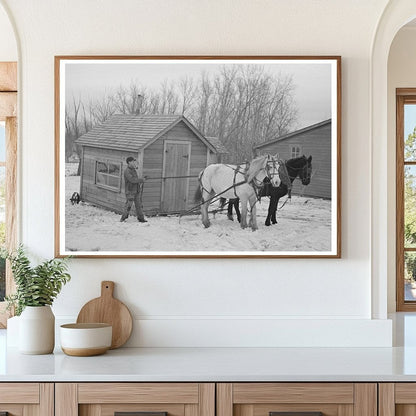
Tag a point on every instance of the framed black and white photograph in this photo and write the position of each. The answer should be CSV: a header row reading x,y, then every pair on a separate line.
x,y
197,156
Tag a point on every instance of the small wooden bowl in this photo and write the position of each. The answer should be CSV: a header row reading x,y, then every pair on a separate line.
x,y
84,340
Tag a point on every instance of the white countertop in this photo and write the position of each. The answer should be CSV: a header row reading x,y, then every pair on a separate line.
x,y
215,364
221,364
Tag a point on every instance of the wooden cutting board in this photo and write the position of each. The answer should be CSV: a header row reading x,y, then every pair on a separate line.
x,y
108,310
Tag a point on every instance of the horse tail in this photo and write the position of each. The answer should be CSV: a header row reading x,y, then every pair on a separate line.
x,y
198,194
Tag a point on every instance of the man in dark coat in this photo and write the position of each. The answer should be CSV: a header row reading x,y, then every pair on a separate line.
x,y
133,187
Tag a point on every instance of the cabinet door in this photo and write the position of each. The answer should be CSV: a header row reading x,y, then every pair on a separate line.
x,y
26,399
142,399
297,399
397,399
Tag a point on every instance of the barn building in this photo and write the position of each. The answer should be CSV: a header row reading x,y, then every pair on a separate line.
x,y
313,140
170,152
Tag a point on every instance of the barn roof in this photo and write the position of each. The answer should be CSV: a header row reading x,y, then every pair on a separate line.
x,y
294,133
134,132
219,147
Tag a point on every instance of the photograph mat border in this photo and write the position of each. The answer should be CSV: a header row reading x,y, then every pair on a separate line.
x,y
60,72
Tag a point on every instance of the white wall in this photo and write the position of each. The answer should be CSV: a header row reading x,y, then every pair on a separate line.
x,y
212,302
401,74
8,46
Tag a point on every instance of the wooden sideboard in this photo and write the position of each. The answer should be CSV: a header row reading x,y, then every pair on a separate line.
x,y
208,399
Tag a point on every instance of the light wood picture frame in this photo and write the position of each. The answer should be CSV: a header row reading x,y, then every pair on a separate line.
x,y
256,128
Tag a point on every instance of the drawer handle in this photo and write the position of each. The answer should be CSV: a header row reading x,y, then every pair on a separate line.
x,y
139,414
295,414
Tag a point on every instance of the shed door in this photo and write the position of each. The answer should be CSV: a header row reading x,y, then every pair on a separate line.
x,y
177,159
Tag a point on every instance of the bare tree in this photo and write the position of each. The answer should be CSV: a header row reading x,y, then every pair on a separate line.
x,y
187,92
241,105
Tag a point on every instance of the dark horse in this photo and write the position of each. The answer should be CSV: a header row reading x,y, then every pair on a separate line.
x,y
298,167
234,202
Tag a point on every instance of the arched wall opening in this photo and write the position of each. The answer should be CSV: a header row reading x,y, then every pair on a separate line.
x,y
401,74
386,78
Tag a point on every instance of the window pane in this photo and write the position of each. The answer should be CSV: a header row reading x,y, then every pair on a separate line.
x,y
410,206
409,275
101,178
114,169
113,181
102,167
410,132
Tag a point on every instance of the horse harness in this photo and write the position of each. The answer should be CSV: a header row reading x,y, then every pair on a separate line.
x,y
237,170
255,183
272,169
285,177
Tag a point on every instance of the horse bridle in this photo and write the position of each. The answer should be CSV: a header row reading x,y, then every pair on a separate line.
x,y
275,166
271,169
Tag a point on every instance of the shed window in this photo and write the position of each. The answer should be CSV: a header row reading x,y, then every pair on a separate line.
x,y
108,174
295,151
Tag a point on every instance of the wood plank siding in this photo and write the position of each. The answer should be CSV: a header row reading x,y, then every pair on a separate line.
x,y
154,164
153,160
315,142
112,199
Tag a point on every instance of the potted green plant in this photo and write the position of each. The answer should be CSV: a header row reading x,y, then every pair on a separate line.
x,y
36,289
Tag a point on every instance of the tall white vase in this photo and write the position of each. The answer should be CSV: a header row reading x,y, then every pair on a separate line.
x,y
37,330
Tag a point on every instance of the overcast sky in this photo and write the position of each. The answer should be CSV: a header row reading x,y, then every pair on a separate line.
x,y
312,80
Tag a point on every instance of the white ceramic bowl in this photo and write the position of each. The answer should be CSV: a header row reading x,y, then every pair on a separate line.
x,y
83,340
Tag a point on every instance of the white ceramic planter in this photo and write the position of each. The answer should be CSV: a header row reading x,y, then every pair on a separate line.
x,y
37,330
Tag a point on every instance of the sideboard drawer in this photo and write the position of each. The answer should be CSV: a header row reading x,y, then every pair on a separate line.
x,y
397,399
146,399
309,399
21,399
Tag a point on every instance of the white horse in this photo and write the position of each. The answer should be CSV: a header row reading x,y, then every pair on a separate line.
x,y
237,181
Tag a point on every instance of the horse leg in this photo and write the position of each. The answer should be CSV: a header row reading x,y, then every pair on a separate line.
x,y
230,210
253,219
243,222
236,203
204,210
271,212
274,220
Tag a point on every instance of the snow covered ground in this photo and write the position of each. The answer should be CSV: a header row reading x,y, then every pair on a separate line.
x,y
304,225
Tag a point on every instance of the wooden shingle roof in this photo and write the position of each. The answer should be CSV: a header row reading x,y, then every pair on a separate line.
x,y
220,148
133,132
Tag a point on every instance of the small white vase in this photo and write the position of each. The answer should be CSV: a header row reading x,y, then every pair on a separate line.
x,y
12,334
37,330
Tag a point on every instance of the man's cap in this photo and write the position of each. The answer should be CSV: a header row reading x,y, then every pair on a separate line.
x,y
130,159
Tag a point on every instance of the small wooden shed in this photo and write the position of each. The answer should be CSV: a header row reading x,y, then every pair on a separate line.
x,y
313,140
170,152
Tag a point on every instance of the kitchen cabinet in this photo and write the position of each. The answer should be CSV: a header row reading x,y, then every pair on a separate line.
x,y
397,399
309,399
143,399
208,399
26,399
230,399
